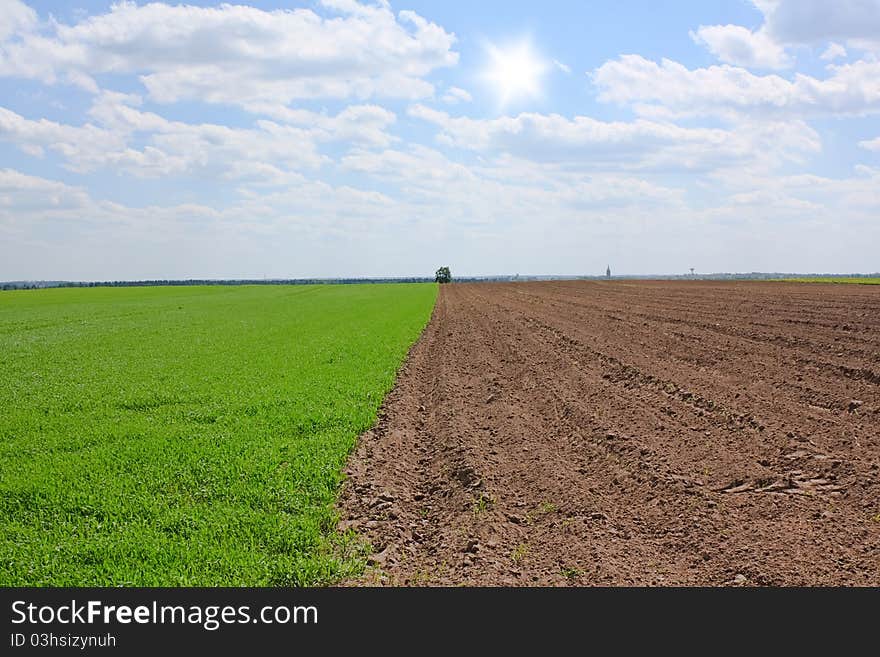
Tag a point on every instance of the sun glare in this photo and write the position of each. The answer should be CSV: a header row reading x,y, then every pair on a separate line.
x,y
515,71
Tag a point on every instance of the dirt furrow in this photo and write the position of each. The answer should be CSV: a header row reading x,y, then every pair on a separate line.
x,y
556,433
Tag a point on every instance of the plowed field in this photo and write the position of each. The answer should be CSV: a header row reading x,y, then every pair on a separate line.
x,y
649,433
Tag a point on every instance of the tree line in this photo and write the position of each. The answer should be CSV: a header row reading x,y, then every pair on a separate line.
x,y
34,285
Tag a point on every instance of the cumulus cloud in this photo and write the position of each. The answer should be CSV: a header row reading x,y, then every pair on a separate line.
x,y
493,198
608,191
237,54
52,230
670,89
832,52
811,22
871,144
842,198
270,152
789,23
738,45
416,163
21,193
84,147
172,147
25,198
16,18
356,124
456,95
642,144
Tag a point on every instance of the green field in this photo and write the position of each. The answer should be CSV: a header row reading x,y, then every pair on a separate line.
x,y
189,435
833,279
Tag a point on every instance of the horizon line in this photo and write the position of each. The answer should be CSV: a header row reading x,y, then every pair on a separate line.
x,y
418,278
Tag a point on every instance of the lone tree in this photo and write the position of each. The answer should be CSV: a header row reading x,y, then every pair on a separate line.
x,y
443,275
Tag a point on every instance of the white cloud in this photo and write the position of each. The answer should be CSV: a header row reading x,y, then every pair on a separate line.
x,y
670,89
84,147
810,22
591,144
832,52
240,55
871,144
494,200
303,229
268,153
856,197
314,228
16,17
609,191
173,147
735,44
421,174
356,124
456,95
789,23
565,68
21,193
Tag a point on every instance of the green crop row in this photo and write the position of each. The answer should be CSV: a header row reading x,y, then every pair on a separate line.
x,y
165,436
858,280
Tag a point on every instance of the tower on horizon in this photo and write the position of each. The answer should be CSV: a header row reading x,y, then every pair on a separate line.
x,y
608,272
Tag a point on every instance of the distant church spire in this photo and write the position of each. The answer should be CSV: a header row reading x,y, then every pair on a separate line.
x,y
608,272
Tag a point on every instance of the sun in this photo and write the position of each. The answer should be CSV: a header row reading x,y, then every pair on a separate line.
x,y
515,71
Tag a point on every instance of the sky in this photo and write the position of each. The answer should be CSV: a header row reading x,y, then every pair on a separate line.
x,y
332,138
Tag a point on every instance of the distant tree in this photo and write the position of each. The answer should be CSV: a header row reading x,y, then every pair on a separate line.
x,y
443,275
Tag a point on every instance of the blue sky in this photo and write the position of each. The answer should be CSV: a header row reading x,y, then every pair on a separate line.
x,y
337,138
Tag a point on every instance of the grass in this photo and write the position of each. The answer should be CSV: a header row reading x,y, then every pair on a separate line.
x,y
482,504
570,573
189,435
519,553
859,280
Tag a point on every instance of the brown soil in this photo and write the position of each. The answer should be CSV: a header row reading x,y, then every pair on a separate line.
x,y
616,433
